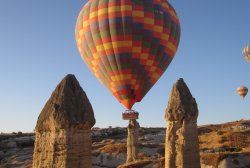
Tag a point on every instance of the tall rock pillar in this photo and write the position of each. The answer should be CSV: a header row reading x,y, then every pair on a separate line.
x,y
182,143
132,140
63,129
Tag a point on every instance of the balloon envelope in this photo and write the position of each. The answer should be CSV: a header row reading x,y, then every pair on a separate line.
x,y
127,44
246,53
242,91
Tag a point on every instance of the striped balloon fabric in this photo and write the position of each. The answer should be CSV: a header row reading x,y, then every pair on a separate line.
x,y
246,53
127,44
242,91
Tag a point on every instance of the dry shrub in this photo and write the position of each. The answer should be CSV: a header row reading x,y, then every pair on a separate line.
x,y
234,140
223,139
238,140
220,132
142,156
212,159
210,140
114,148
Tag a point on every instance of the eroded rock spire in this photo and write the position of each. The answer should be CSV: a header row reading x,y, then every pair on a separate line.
x,y
63,128
182,143
132,140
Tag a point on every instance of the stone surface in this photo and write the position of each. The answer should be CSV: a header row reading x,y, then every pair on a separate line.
x,y
239,161
63,130
132,140
182,143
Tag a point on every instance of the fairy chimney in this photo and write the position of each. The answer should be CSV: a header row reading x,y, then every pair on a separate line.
x,y
132,140
63,129
182,143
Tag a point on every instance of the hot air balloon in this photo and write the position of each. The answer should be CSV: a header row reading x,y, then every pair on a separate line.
x,y
127,44
242,91
246,53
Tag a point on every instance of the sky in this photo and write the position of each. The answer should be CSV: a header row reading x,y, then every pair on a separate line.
x,y
38,48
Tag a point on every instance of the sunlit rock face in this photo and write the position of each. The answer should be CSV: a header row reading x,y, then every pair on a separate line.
x,y
182,143
63,129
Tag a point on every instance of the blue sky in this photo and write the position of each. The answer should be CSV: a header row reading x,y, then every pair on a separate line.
x,y
37,49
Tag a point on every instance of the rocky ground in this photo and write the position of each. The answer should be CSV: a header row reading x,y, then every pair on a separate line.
x,y
223,146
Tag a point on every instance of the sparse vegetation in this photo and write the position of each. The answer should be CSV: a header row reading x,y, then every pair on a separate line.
x,y
143,156
238,139
144,130
216,143
220,132
223,140
114,148
212,159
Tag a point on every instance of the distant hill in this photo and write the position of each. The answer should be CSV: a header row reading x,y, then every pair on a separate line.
x,y
221,145
227,140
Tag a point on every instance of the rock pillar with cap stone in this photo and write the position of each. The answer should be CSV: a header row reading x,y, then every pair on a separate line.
x,y
132,140
182,143
63,129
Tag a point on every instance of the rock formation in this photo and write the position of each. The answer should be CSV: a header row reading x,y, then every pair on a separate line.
x,y
182,143
63,128
132,140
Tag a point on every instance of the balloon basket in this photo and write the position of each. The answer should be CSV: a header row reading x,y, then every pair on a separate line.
x,y
130,114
